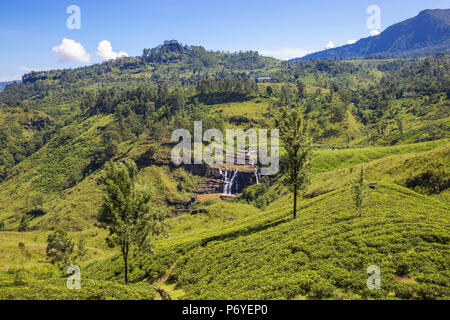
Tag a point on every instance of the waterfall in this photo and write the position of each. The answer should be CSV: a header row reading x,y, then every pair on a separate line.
x,y
252,155
226,181
229,179
235,174
257,176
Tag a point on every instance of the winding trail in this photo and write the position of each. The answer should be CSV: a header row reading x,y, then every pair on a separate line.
x,y
163,293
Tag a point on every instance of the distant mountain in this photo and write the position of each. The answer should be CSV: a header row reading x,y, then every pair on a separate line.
x,y
426,34
4,84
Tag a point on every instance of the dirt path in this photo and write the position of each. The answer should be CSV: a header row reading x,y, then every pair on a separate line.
x,y
163,293
167,275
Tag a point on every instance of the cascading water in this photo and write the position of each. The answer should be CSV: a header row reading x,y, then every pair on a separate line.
x,y
252,155
257,176
229,179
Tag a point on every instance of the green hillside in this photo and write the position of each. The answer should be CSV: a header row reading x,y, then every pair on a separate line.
x,y
59,128
263,243
324,253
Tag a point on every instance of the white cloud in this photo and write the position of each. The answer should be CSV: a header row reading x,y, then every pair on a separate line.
x,y
105,51
284,53
351,41
330,45
374,32
70,50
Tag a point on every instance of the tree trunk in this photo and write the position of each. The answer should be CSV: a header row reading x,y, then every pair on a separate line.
x,y
125,260
295,201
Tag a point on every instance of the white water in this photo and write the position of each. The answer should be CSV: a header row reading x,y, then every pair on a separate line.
x,y
257,175
252,154
229,179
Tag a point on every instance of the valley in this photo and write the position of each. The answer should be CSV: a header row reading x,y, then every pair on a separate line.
x,y
79,144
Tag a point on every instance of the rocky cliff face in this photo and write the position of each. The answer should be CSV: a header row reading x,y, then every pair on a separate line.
x,y
224,179
210,186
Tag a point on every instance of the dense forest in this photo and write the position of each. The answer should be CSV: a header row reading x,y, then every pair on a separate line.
x,y
377,95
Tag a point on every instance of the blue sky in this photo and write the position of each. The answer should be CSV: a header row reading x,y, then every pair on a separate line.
x,y
31,31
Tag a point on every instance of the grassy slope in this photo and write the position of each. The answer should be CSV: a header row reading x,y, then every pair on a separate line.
x,y
325,252
332,169
422,121
328,160
77,208
18,122
18,128
74,209
27,274
24,288
396,168
393,164
46,173
253,110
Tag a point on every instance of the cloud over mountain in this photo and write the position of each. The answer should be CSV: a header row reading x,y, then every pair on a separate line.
x,y
105,51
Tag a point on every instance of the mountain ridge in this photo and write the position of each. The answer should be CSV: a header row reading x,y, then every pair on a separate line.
x,y
5,83
427,33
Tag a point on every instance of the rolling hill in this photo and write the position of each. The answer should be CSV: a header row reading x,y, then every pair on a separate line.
x,y
320,255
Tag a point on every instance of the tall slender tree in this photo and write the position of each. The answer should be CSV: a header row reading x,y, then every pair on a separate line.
x,y
296,142
301,90
359,190
126,211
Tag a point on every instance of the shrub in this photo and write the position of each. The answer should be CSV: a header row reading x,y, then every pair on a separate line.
x,y
59,249
36,213
322,289
431,181
406,289
429,292
24,225
251,193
